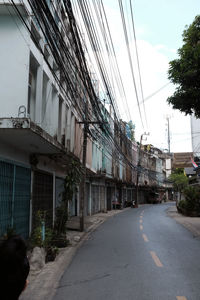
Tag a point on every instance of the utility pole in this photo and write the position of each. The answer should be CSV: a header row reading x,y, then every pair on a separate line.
x,y
168,136
168,117
82,184
138,171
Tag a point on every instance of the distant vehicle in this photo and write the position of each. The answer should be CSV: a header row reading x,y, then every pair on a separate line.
x,y
128,203
133,204
154,198
116,204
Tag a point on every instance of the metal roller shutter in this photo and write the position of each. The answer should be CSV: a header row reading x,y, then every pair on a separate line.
x,y
43,197
15,186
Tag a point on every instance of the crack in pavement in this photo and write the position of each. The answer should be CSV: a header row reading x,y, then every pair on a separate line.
x,y
97,277
84,281
122,266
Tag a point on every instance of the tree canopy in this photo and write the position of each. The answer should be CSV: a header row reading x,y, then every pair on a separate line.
x,y
184,72
179,180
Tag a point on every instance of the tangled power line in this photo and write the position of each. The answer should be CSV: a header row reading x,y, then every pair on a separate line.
x,y
76,75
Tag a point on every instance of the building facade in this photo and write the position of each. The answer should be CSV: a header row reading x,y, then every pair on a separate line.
x,y
47,98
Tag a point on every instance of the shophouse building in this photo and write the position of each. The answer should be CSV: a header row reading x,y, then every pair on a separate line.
x,y
47,96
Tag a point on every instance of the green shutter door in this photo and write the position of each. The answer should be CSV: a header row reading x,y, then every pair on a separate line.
x,y
6,196
15,184
43,197
22,200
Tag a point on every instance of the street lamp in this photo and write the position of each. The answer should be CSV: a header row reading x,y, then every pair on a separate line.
x,y
138,171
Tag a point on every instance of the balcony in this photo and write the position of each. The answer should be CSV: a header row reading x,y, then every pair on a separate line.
x,y
25,135
7,8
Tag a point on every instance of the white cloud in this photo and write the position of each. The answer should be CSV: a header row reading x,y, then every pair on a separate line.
x,y
173,51
154,66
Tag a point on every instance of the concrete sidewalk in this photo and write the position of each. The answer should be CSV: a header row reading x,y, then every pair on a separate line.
x,y
191,223
42,285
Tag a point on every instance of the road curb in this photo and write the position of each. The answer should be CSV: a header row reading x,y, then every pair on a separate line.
x,y
190,223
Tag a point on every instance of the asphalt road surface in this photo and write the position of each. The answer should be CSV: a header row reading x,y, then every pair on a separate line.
x,y
138,254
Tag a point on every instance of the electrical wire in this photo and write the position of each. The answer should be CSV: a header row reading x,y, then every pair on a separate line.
x,y
129,56
56,44
138,63
105,30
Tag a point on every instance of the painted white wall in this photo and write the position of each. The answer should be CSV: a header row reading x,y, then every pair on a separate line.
x,y
16,2
68,130
72,132
13,154
96,156
122,169
195,132
14,65
168,163
15,46
54,112
108,162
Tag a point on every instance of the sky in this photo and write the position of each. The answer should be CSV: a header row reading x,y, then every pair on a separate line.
x,y
159,25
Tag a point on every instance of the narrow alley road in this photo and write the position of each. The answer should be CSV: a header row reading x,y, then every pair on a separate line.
x,y
139,254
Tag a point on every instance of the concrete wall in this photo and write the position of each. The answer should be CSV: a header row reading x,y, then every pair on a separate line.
x,y
96,157
195,131
18,57
108,163
121,169
89,154
78,151
14,65
159,174
13,154
168,164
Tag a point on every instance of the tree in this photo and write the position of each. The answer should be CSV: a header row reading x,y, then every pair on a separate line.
x,y
179,180
184,72
74,173
192,199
